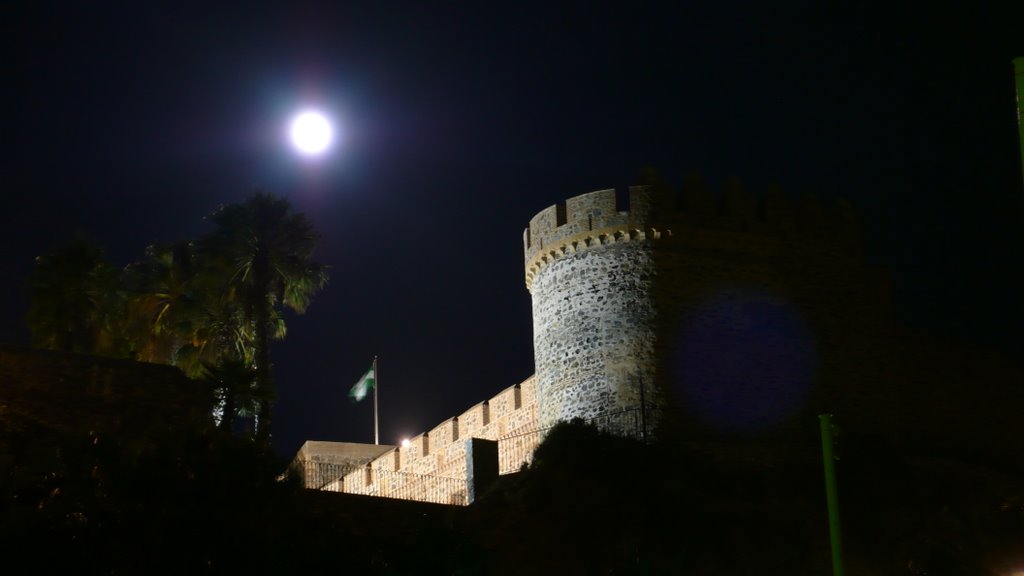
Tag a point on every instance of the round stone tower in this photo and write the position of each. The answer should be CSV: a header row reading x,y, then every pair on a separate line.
x,y
732,315
589,269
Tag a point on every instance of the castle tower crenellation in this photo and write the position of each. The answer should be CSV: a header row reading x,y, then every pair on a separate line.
x,y
594,219
605,278
589,220
776,210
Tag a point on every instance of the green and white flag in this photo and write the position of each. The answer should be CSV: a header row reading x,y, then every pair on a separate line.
x,y
362,387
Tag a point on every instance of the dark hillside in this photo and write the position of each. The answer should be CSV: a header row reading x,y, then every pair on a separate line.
x,y
98,485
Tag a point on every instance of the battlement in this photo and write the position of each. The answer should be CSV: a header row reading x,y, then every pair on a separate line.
x,y
655,213
432,467
590,212
474,420
589,220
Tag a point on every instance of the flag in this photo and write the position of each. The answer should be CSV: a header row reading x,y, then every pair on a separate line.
x,y
359,391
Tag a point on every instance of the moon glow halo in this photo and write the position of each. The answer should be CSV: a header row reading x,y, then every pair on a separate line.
x,y
311,133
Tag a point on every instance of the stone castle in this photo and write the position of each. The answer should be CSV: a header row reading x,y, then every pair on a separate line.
x,y
657,312
635,298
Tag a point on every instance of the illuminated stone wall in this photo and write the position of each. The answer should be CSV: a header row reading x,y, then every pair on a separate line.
x,y
590,269
433,467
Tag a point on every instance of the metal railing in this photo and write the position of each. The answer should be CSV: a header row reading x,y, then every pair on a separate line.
x,y
628,423
516,450
317,475
410,486
349,479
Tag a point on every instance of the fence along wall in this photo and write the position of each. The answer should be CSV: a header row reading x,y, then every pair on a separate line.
x,y
433,467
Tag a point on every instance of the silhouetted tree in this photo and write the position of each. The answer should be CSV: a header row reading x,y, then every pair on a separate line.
x,y
163,307
184,310
76,302
209,307
268,250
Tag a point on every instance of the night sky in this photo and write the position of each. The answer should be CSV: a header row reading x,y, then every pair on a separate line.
x,y
460,121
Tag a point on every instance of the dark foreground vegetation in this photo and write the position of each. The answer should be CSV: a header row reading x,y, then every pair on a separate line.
x,y
194,500
209,306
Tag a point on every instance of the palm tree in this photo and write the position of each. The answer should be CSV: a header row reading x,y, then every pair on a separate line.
x,y
232,381
268,249
162,305
184,311
220,332
77,303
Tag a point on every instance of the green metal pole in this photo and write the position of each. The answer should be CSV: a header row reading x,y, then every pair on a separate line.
x,y
831,492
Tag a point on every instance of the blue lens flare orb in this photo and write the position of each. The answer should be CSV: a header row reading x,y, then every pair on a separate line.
x,y
746,361
311,133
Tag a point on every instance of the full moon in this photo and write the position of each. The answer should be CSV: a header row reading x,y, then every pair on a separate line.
x,y
311,133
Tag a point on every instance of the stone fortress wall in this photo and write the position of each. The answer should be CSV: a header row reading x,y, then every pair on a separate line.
x,y
432,467
722,315
609,283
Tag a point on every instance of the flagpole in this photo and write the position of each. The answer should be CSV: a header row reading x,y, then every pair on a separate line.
x,y
376,384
